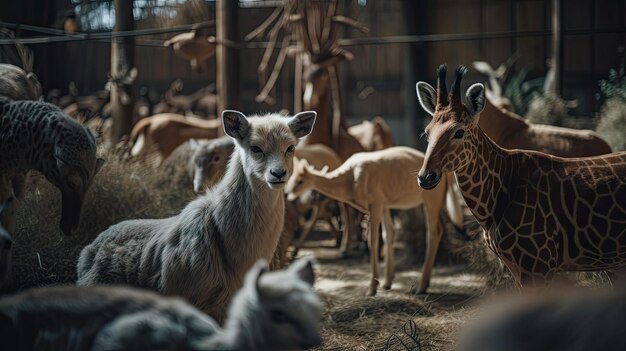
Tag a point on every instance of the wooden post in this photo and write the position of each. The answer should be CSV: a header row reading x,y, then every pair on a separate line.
x,y
557,45
122,61
226,55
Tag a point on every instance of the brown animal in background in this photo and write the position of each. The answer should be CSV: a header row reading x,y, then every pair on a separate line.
x,y
166,131
196,46
511,131
374,135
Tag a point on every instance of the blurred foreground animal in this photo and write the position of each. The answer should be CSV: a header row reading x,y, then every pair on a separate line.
x,y
36,135
16,84
272,311
203,253
540,214
374,135
573,321
163,133
196,46
374,183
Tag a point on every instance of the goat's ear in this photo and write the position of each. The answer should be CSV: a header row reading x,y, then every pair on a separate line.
x,y
303,269
194,144
475,99
235,124
302,123
254,274
427,96
99,163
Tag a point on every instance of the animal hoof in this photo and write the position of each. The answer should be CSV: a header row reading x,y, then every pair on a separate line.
x,y
343,254
387,286
370,292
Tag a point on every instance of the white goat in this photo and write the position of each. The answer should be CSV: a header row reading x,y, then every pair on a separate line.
x,y
203,253
273,311
375,182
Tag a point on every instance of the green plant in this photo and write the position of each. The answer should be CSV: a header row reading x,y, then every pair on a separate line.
x,y
615,85
521,92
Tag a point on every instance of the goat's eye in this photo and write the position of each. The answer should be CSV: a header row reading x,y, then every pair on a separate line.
x,y
459,134
279,316
256,150
216,159
291,148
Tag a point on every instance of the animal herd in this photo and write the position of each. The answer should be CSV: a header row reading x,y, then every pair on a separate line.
x,y
548,200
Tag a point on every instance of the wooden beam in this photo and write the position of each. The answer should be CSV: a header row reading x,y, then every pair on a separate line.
x,y
122,61
227,56
557,45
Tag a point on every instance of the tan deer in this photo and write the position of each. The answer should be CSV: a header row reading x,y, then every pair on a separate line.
x,y
373,183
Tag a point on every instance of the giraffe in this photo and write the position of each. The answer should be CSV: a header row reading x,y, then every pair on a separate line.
x,y
540,214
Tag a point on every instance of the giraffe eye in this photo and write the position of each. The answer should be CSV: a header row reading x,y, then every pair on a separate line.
x,y
459,134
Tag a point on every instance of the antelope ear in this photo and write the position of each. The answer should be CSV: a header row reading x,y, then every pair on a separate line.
x,y
303,269
475,99
235,124
427,97
302,123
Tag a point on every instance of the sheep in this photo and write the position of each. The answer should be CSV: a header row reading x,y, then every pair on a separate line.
x,y
272,311
203,252
36,135
16,84
374,135
164,132
373,183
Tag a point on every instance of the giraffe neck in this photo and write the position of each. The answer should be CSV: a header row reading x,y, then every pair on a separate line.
x,y
484,181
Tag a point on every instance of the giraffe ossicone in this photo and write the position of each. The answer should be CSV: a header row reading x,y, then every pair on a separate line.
x,y
540,214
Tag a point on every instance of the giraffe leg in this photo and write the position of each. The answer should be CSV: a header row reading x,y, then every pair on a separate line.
x,y
434,232
390,264
376,211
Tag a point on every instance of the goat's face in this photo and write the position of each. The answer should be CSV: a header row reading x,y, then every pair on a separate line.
x,y
268,143
300,181
209,162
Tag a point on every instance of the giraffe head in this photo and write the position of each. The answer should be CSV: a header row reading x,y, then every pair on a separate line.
x,y
451,129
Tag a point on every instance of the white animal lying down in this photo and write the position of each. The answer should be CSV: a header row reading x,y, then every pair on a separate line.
x,y
273,311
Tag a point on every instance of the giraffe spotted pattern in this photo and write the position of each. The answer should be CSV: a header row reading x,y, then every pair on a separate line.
x,y
540,214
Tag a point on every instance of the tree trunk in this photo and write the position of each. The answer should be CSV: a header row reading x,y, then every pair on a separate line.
x,y
122,61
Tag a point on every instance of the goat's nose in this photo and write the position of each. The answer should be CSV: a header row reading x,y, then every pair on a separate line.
x,y
427,179
278,173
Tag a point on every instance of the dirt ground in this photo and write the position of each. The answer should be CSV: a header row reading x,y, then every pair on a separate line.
x,y
393,319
